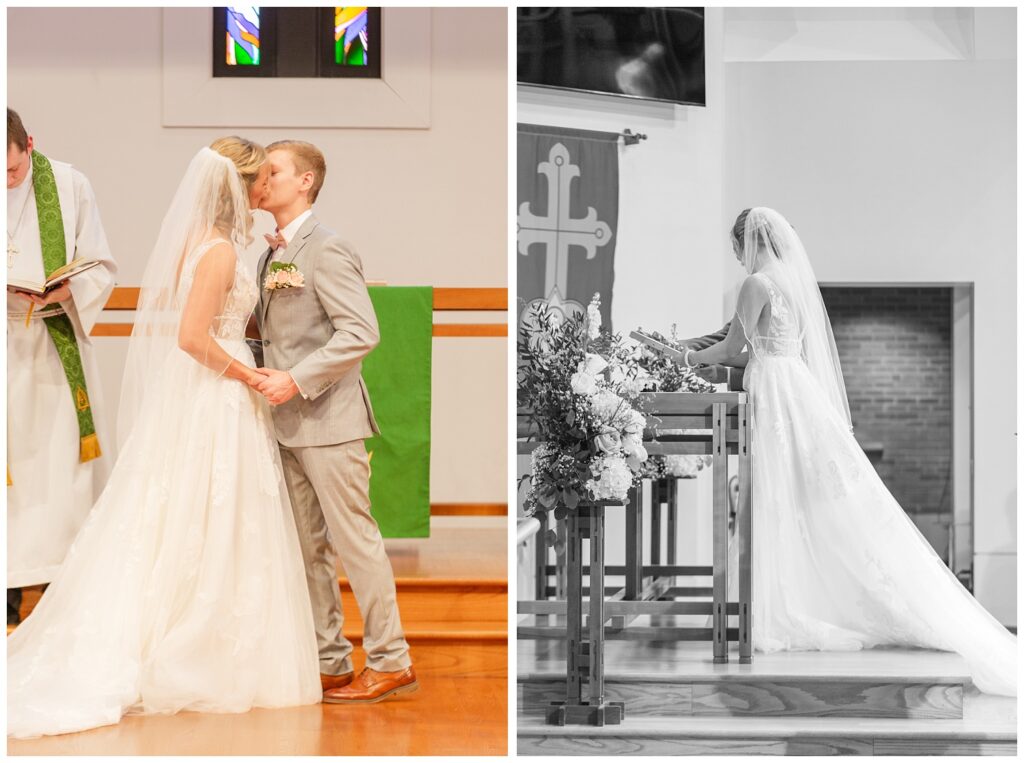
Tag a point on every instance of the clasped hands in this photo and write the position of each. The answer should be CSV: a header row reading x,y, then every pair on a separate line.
x,y
278,387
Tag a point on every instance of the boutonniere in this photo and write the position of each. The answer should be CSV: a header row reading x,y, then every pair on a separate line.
x,y
284,275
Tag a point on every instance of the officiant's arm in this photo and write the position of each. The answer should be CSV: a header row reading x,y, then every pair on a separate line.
x,y
703,342
91,289
341,288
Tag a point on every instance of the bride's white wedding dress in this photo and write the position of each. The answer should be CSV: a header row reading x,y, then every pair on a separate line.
x,y
837,564
185,589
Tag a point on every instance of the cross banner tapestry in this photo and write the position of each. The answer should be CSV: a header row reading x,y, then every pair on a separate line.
x,y
568,210
397,374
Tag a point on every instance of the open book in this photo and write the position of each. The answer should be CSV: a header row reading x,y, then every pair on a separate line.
x,y
656,344
72,269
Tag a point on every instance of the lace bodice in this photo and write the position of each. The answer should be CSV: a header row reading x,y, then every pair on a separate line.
x,y
230,323
779,335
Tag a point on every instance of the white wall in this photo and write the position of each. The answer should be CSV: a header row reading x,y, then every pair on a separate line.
x,y
904,171
423,206
669,196
670,234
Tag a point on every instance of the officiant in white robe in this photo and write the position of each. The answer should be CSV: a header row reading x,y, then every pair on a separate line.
x,y
54,472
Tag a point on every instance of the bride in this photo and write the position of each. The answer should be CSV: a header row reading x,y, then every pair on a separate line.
x,y
837,564
185,588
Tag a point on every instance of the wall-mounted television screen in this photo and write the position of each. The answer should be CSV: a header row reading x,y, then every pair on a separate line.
x,y
651,53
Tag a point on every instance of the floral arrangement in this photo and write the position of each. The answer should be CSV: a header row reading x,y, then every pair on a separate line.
x,y
669,376
284,275
581,385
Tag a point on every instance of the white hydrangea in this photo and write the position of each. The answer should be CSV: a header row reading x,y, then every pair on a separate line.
x,y
605,405
614,479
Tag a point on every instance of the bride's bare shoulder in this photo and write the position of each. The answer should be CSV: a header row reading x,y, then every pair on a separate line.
x,y
754,288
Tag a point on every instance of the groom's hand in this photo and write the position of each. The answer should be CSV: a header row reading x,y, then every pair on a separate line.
x,y
278,387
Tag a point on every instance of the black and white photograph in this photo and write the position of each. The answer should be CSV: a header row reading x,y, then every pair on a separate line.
x,y
766,454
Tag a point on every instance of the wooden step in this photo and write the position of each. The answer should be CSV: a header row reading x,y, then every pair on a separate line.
x,y
441,609
782,696
679,680
433,610
770,736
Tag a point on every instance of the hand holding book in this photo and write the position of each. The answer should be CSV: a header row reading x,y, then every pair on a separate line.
x,y
57,281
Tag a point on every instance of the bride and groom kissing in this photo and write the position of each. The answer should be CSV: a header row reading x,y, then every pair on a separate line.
x,y
204,577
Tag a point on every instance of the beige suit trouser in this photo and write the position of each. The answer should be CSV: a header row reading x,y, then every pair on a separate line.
x,y
329,490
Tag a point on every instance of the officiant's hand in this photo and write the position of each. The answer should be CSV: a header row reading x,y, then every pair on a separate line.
x,y
713,374
279,387
61,294
19,294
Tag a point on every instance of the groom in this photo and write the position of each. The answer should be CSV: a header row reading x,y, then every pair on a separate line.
x,y
315,337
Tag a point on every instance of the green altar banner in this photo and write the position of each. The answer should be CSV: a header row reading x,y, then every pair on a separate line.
x,y
397,373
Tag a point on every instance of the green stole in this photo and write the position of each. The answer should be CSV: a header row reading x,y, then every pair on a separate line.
x,y
62,332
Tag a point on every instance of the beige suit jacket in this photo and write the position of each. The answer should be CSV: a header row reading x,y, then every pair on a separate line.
x,y
320,334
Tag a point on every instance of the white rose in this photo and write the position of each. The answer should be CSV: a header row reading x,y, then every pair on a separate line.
x,y
583,383
632,445
592,364
607,442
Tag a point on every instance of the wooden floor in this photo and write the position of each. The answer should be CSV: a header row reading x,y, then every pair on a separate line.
x,y
678,702
452,593
458,682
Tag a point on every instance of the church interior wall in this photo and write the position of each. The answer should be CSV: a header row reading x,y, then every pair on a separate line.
x,y
422,206
904,172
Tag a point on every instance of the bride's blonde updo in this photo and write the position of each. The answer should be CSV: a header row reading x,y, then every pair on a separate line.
x,y
248,158
739,226
765,235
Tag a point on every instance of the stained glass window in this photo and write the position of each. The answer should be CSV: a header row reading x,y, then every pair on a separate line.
x,y
266,41
243,36
351,36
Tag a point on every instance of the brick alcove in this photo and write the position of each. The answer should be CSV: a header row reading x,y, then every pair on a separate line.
x,y
896,348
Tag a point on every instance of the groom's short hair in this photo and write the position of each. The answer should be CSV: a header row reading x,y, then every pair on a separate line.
x,y
307,158
16,133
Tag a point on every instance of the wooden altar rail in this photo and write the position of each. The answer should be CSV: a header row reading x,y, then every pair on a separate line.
x,y
717,424
456,299
126,299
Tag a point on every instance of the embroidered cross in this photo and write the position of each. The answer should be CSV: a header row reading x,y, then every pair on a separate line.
x,y
558,231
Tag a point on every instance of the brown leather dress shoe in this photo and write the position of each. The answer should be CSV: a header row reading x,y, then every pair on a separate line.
x,y
335,682
372,686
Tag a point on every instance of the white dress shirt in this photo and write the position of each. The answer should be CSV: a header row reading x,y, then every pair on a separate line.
x,y
289,231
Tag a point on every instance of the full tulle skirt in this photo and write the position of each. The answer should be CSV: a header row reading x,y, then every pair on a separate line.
x,y
185,589
837,564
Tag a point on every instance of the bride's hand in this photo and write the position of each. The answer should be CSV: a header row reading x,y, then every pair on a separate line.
x,y
254,379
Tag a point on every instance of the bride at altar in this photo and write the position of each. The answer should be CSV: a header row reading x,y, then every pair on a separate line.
x,y
837,563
